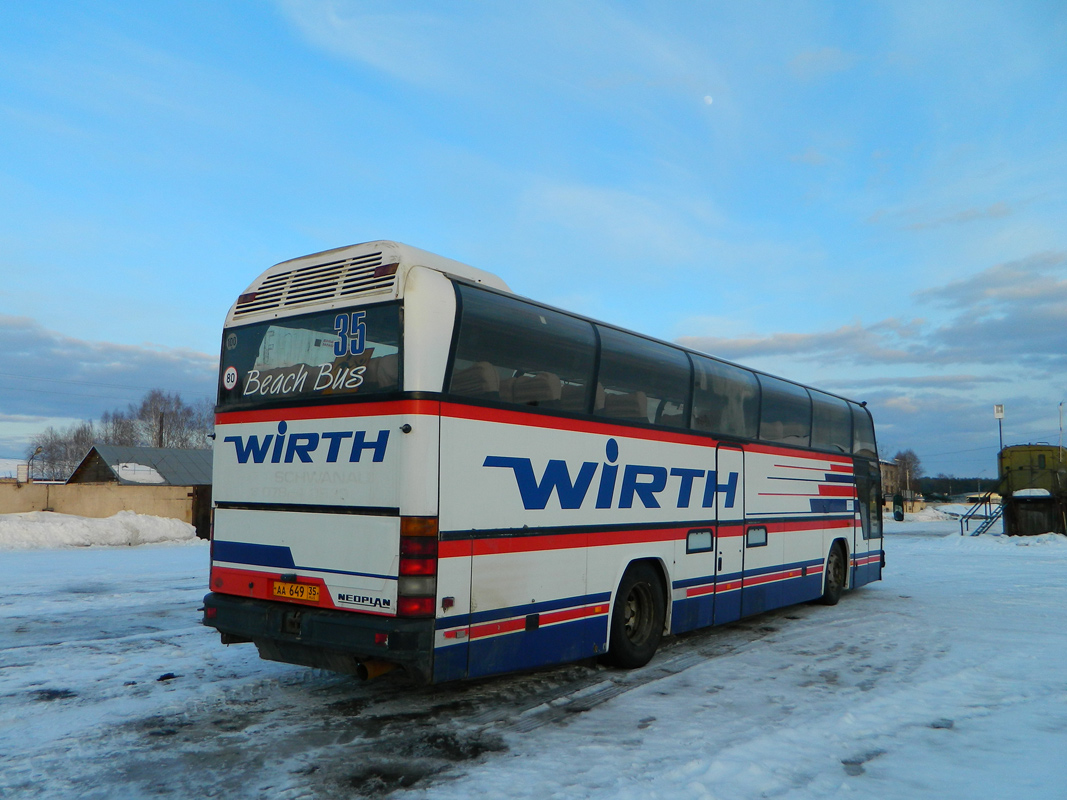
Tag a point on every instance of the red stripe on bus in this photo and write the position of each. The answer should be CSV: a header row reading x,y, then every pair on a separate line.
x,y
455,549
506,417
847,490
570,614
543,620
385,408
842,468
805,525
773,577
498,545
782,451
493,628
697,591
570,541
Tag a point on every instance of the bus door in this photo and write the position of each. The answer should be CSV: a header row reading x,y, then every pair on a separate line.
x,y
867,541
730,541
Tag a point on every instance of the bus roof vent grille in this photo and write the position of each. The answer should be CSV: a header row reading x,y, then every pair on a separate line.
x,y
332,280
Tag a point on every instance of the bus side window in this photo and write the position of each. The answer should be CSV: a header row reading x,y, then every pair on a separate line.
x,y
785,412
642,380
515,352
831,423
862,433
725,399
868,492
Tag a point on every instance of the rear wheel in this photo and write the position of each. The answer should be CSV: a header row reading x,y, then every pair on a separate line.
x,y
637,619
835,576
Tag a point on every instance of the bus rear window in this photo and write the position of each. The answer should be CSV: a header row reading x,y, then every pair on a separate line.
x,y
328,354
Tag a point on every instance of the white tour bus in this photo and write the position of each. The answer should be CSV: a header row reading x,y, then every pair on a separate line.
x,y
415,467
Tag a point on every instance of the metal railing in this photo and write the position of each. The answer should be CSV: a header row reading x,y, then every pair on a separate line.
x,y
982,510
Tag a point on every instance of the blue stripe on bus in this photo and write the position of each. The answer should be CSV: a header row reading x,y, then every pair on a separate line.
x,y
276,556
509,612
824,505
817,562
261,555
732,576
526,649
450,662
837,477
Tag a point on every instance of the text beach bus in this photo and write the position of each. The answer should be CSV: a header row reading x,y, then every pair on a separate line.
x,y
415,467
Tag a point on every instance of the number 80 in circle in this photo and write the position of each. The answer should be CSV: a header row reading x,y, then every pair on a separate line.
x,y
229,378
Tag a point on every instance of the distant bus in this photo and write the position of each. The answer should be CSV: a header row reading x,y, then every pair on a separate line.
x,y
416,467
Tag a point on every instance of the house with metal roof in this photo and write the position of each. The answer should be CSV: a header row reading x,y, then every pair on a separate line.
x,y
162,466
147,479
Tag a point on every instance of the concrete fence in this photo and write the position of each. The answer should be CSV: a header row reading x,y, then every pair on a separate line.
x,y
188,503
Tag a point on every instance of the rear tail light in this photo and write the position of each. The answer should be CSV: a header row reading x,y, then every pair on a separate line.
x,y
417,583
415,606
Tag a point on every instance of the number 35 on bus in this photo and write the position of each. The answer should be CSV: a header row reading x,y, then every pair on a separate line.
x,y
415,467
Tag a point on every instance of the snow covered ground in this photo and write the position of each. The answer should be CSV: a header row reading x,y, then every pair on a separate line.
x,y
946,679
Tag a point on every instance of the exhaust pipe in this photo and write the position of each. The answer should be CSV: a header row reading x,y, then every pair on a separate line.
x,y
368,670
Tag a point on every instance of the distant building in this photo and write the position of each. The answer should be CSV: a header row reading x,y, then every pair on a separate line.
x,y
891,483
152,466
1033,483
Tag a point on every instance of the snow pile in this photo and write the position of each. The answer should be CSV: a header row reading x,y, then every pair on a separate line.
x,y
138,473
1049,539
957,510
1032,493
43,529
928,514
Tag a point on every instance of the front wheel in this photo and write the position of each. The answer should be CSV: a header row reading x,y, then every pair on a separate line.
x,y
637,619
835,576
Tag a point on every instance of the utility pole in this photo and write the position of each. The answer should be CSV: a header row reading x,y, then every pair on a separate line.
x,y
998,413
159,434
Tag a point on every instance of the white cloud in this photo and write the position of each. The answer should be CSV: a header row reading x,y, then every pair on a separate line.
x,y
51,379
398,42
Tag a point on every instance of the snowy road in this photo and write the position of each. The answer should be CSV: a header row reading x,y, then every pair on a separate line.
x,y
947,679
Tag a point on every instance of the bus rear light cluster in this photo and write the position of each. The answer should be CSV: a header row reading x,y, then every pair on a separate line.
x,y
417,583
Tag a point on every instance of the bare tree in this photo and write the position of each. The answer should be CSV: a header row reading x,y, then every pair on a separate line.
x,y
61,451
910,467
118,428
160,418
166,420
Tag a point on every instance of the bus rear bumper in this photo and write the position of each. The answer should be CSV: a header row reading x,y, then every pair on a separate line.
x,y
340,641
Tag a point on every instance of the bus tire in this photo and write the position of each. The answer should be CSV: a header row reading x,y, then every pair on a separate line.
x,y
637,620
834,581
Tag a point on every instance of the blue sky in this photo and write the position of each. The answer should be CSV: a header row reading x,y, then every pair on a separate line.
x,y
870,198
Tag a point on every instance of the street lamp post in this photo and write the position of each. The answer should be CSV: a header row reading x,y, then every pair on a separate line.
x,y
1061,431
29,466
998,412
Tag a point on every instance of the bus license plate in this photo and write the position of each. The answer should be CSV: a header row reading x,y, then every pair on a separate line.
x,y
296,591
